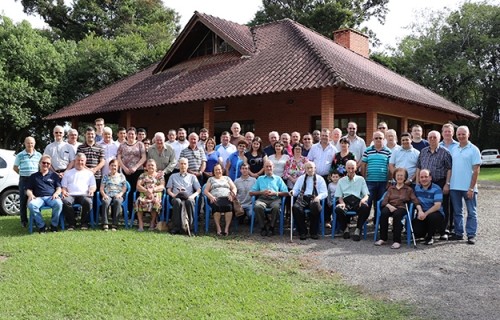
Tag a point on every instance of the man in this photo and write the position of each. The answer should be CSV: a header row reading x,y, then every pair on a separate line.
x,y
203,138
437,160
99,127
294,138
164,156
310,189
61,153
43,189
322,154
236,136
110,148
375,168
357,144
225,148
180,144
417,142
316,136
448,142
197,160
94,155
183,188
463,185
268,188
336,135
431,217
141,134
306,144
25,164
73,139
78,187
244,184
405,157
249,136
287,146
352,194
273,138
122,136
172,136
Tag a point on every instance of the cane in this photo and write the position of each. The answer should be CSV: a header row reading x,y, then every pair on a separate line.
x,y
291,218
411,226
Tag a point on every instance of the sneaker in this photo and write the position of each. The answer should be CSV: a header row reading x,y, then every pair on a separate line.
x,y
114,228
346,234
105,227
328,225
263,232
444,237
456,237
71,228
379,242
429,242
471,240
396,245
356,236
84,227
303,237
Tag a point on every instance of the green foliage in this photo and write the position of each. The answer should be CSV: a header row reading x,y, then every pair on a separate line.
x,y
323,16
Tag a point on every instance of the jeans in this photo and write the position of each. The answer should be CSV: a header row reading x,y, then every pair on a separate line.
x,y
377,190
456,200
35,205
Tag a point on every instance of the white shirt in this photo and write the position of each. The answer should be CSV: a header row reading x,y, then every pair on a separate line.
x,y
178,147
62,154
110,151
225,152
322,158
78,182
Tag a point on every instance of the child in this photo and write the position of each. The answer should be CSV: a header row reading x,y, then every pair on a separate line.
x,y
334,179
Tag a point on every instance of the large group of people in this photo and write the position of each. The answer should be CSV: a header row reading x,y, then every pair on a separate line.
x,y
436,177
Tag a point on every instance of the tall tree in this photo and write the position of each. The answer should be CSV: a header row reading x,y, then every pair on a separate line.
x,y
323,16
457,54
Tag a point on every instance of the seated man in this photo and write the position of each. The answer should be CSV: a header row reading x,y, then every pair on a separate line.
x,y
352,193
43,189
430,196
183,188
243,184
310,189
269,188
78,187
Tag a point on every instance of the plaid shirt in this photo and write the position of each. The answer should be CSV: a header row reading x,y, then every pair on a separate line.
x,y
437,162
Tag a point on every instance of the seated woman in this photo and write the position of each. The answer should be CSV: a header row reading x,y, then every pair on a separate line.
x,y
113,188
219,190
150,185
394,205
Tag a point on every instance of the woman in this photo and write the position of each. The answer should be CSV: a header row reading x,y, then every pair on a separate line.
x,y
131,157
279,159
295,166
219,190
213,158
113,187
150,185
340,159
256,158
235,160
394,205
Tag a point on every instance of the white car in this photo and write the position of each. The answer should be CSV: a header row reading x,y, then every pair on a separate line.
x,y
9,182
490,157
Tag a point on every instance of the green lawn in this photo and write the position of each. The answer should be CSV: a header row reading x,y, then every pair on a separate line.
x,y
131,275
489,174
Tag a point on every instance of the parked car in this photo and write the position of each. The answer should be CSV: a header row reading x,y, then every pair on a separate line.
x,y
9,181
490,157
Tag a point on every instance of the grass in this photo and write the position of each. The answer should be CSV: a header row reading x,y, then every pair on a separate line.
x,y
131,275
489,174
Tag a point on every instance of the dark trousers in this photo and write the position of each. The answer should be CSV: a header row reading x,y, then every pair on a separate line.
x,y
397,226
343,219
447,223
427,227
115,204
377,190
69,212
23,199
132,179
177,211
260,210
300,216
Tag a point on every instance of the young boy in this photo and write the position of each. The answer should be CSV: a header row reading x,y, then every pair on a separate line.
x,y
332,186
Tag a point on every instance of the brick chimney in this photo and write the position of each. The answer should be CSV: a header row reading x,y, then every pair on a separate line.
x,y
352,40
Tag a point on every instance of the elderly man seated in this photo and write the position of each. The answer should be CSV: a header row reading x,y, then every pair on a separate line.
x,y
310,189
352,193
43,189
78,187
182,187
269,188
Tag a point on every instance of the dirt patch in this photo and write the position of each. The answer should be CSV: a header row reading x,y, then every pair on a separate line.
x,y
3,258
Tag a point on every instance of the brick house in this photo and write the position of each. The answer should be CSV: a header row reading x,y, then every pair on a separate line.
x,y
277,76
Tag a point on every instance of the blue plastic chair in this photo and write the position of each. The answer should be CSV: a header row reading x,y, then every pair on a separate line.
x,y
208,211
160,214
31,218
124,206
349,213
268,210
406,216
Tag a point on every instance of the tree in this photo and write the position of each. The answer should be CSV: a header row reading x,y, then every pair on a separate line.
x,y
323,16
457,55
103,18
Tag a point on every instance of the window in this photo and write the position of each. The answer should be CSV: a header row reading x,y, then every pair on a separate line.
x,y
341,121
211,44
3,163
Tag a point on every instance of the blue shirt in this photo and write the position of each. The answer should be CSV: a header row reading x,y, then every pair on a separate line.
x,y
27,163
234,170
212,160
420,145
463,162
451,146
405,158
428,197
377,163
273,183
44,185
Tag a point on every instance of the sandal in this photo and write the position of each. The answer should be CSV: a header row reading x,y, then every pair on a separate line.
x,y
379,242
396,245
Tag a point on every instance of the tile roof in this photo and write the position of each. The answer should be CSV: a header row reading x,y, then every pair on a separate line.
x,y
275,57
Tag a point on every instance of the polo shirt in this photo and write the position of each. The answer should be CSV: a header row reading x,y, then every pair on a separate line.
x,y
44,185
427,197
27,163
464,159
273,183
377,163
195,157
244,185
355,186
450,146
94,154
405,158
225,152
185,182
61,154
437,162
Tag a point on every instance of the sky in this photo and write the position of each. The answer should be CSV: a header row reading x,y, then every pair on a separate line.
x,y
401,13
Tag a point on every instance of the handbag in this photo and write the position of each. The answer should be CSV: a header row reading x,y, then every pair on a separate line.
x,y
237,208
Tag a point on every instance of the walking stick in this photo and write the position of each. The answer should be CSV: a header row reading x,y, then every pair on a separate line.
x,y
291,218
411,226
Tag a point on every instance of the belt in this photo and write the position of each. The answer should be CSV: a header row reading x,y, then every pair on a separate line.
x,y
60,171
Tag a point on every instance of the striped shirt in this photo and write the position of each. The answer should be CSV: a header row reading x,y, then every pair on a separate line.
x,y
27,163
94,153
437,162
195,157
377,163
428,197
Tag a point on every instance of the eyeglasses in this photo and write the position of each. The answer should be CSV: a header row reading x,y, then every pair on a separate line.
x,y
382,128
431,137
58,132
46,163
378,138
351,128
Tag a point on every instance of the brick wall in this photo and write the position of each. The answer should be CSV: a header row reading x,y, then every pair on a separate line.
x,y
353,40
